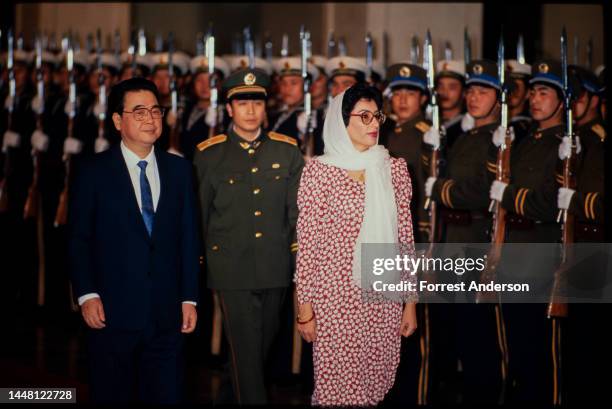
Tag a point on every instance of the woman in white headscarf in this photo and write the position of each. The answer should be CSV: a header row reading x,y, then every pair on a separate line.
x,y
354,194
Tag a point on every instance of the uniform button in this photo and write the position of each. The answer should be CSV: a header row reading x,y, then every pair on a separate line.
x,y
277,177
257,213
215,248
251,151
258,235
253,170
231,181
256,191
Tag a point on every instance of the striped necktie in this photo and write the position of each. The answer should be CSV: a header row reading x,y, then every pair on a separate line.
x,y
146,197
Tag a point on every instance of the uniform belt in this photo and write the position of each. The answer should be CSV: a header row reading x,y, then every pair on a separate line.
x,y
588,232
461,217
520,223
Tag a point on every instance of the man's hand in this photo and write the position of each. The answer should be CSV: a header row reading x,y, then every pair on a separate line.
x,y
499,136
432,137
564,197
429,183
93,313
497,190
190,317
565,147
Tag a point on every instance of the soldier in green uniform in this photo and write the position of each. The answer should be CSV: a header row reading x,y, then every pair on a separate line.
x,y
532,211
585,345
248,182
462,190
407,92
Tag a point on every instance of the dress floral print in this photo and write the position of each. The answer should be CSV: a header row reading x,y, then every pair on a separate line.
x,y
357,347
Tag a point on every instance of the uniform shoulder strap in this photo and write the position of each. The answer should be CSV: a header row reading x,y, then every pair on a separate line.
x,y
212,141
422,126
275,136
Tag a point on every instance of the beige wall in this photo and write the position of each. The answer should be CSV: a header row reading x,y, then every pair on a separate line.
x,y
280,18
446,21
81,18
584,21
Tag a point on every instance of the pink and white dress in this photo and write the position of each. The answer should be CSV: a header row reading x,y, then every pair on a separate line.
x,y
357,346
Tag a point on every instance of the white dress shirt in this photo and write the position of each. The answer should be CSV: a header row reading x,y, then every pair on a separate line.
x,y
152,172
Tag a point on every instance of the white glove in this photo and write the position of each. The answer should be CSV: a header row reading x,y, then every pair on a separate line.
x,y
467,122
429,185
175,152
72,146
39,140
101,144
8,103
564,197
11,140
98,109
565,147
432,137
497,190
37,104
69,107
302,123
499,136
428,112
211,117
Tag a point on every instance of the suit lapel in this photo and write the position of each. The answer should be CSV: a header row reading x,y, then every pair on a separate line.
x,y
126,190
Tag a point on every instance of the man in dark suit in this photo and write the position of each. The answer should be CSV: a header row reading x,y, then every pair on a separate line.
x,y
133,252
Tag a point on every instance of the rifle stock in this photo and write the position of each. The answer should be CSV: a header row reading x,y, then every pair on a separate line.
x,y
61,215
30,209
4,198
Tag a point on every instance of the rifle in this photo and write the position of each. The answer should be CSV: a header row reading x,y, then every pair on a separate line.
x,y
101,87
4,199
174,142
369,56
430,205
308,138
30,209
61,215
414,50
557,308
212,79
467,47
502,173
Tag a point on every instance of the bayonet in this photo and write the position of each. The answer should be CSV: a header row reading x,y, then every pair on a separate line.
x,y
331,45
520,50
415,50
467,47
369,54
285,45
342,47
448,51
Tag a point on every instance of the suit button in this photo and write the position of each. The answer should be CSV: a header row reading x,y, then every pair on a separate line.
x,y
258,235
254,170
215,247
257,213
256,191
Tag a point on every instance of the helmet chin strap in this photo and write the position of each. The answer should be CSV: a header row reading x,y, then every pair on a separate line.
x,y
553,113
487,114
586,110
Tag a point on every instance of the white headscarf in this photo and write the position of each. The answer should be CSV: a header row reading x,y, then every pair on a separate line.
x,y
380,216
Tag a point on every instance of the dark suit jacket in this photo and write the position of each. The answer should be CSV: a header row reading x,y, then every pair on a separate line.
x,y
139,278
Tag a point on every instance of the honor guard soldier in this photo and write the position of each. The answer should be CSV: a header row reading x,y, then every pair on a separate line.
x,y
199,114
463,192
291,119
585,345
403,137
518,98
344,72
248,181
450,86
530,200
318,89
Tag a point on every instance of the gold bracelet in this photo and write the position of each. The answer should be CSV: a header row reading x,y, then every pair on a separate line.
x,y
297,319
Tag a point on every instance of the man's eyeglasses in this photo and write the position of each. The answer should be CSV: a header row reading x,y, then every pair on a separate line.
x,y
368,116
140,114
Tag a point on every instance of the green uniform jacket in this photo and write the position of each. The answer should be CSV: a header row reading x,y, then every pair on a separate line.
x,y
404,141
248,197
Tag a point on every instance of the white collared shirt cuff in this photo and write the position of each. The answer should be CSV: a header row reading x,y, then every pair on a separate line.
x,y
86,297
190,302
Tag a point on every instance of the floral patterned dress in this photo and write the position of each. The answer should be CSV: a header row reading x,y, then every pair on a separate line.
x,y
357,347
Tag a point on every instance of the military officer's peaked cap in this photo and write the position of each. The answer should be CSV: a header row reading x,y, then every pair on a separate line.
x,y
199,64
451,68
246,84
406,75
518,70
547,72
293,66
482,72
344,65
